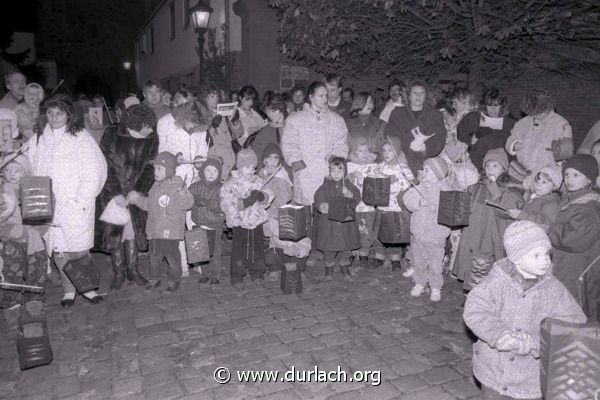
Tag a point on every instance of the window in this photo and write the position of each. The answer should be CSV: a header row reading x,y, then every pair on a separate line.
x,y
186,14
151,39
172,18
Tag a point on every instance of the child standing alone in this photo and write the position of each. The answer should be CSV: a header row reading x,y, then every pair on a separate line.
x,y
505,312
428,238
167,202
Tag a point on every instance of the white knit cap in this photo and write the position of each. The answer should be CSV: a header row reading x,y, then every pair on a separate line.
x,y
554,172
523,236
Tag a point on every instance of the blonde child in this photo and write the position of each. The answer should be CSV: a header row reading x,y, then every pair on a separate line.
x,y
428,238
393,165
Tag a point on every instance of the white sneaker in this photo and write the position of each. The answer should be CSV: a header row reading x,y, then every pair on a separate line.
x,y
409,272
436,295
417,290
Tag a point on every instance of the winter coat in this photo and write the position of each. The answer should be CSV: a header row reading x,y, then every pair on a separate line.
x,y
237,189
281,187
542,210
252,122
423,221
160,110
129,169
387,110
369,128
166,203
313,138
207,203
176,140
333,235
401,177
78,171
267,135
342,108
221,139
482,238
575,238
536,140
430,121
505,302
357,172
481,138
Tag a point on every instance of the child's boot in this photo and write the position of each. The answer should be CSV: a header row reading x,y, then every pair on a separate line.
x,y
363,262
345,270
375,263
436,295
328,273
417,291
396,265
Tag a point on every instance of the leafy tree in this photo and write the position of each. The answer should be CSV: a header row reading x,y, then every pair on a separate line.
x,y
488,39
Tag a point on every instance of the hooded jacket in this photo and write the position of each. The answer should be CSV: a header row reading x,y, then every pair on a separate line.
x,y
505,302
207,197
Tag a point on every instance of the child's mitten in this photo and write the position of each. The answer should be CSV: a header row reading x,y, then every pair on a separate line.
x,y
507,342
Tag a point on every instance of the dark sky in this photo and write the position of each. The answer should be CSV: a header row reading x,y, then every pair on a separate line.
x,y
22,17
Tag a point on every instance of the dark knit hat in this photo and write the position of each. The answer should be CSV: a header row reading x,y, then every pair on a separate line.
x,y
270,149
167,160
211,162
585,164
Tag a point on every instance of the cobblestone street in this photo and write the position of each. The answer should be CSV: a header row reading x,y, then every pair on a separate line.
x,y
142,345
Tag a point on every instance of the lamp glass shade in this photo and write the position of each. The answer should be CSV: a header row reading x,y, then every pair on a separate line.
x,y
126,65
200,14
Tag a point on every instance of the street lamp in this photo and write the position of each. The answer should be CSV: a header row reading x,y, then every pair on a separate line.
x,y
200,14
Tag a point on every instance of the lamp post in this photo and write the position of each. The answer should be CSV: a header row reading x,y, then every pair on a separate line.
x,y
200,14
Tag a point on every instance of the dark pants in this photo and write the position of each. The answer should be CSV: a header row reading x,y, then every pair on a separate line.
x,y
159,250
247,252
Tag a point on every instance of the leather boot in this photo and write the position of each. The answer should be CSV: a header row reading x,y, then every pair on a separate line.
x,y
131,257
345,270
117,259
363,261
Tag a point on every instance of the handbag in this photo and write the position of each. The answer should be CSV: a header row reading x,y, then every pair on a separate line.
x,y
82,274
115,214
454,208
196,245
562,149
33,345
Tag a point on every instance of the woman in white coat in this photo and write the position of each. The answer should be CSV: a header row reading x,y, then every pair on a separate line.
x,y
310,138
69,155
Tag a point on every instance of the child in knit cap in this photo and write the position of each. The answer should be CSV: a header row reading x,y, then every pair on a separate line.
x,y
207,212
167,203
336,239
394,165
575,235
245,201
542,204
11,177
362,164
505,312
428,238
481,241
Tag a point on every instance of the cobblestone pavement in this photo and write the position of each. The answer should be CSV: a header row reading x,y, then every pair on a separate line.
x,y
148,345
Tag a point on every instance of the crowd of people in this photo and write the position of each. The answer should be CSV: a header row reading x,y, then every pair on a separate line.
x,y
173,162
